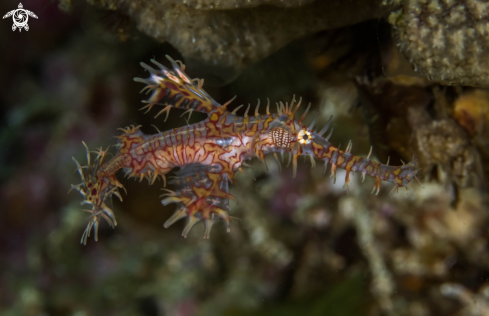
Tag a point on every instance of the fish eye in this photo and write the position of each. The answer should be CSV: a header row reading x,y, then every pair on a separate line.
x,y
304,137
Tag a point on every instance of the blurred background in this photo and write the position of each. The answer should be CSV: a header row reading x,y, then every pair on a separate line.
x,y
406,77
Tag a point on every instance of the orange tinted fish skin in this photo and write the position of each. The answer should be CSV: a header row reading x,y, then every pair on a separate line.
x,y
209,153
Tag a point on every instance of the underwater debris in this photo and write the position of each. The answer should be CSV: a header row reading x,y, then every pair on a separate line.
x,y
442,143
471,111
382,284
437,231
474,304
407,116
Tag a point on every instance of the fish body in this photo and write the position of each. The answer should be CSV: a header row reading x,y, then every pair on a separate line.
x,y
209,153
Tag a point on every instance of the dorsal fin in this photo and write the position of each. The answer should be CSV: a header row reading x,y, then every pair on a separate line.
x,y
174,88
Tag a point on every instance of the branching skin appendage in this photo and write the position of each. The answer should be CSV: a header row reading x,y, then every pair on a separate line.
x,y
209,153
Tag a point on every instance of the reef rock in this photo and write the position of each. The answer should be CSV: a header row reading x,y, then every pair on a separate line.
x,y
211,33
446,40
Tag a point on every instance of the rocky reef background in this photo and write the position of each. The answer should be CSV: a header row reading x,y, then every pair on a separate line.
x,y
392,77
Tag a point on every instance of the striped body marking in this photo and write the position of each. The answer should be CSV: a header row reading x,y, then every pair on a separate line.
x,y
209,153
